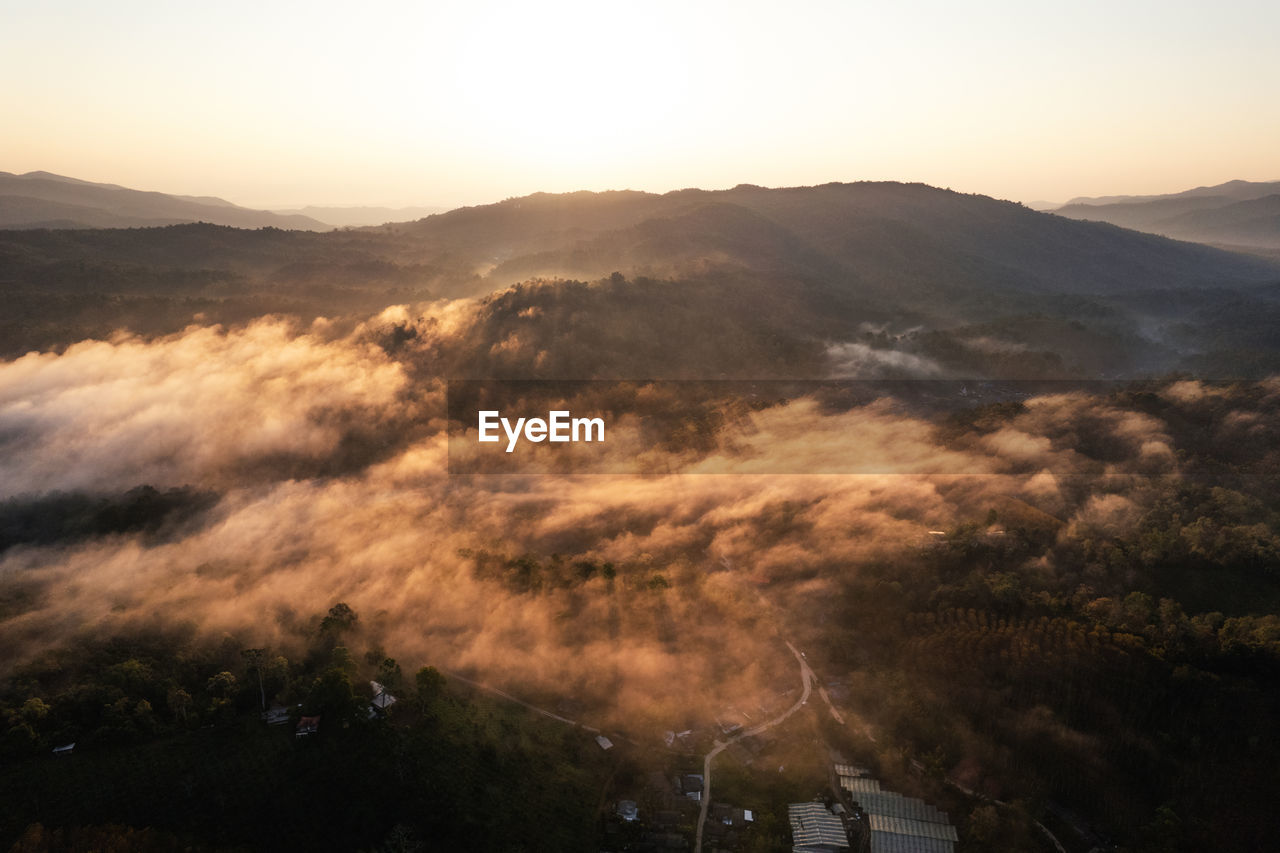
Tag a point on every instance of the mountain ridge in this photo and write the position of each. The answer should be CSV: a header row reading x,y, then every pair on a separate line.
x,y
1238,190
43,199
748,281
1234,215
872,230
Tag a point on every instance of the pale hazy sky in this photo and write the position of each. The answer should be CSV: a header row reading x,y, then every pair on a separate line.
x,y
273,104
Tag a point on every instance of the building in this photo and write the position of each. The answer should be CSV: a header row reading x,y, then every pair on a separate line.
x,y
727,815
382,700
277,716
814,829
852,771
859,785
691,786
895,823
898,835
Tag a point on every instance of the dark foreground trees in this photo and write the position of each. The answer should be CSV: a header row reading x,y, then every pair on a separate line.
x,y
170,742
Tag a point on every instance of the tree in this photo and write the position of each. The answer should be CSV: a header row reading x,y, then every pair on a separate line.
x,y
34,710
768,834
984,823
332,697
222,688
1165,832
401,839
341,618
253,659
389,674
430,684
340,658
179,701
222,685
132,675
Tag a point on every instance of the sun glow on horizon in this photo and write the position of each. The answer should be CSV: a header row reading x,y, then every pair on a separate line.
x,y
439,103
542,90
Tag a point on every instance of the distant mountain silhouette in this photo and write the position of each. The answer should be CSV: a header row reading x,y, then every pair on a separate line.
x,y
906,242
1243,214
843,279
44,200
356,217
1234,190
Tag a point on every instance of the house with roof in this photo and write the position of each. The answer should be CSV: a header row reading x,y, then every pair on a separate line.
x,y
691,786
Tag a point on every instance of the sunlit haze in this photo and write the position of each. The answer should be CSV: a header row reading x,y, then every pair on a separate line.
x,y
276,104
626,426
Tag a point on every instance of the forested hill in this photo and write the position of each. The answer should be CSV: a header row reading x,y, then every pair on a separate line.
x,y
1238,213
881,235
947,283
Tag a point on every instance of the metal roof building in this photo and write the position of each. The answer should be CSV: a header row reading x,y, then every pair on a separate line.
x,y
859,785
918,828
897,824
816,830
851,770
891,804
887,842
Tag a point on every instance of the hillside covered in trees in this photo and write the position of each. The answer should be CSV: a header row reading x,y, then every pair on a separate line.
x,y
966,285
1007,483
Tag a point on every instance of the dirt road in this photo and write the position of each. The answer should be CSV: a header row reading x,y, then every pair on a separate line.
x,y
807,680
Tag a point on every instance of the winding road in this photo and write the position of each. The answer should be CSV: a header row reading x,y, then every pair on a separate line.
x,y
807,679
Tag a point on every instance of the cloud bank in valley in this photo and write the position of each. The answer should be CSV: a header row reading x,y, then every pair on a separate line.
x,y
433,563
188,408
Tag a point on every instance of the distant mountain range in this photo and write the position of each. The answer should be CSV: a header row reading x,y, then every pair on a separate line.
x,y
900,278
45,200
1241,215
908,243
1244,214
356,217
844,279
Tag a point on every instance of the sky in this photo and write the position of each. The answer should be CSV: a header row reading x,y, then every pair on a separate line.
x,y
280,104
